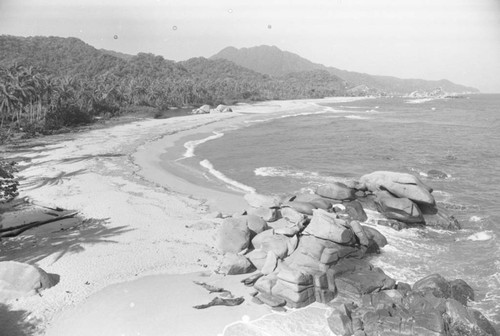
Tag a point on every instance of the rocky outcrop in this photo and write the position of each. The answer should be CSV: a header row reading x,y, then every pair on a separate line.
x,y
399,184
19,280
310,247
427,309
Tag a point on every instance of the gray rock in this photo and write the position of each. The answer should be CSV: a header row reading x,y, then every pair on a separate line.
x,y
256,224
337,191
435,284
401,209
437,174
399,184
233,235
355,211
461,291
355,278
340,321
233,264
19,280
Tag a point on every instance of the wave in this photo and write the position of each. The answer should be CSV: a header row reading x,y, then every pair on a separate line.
x,y
356,117
420,100
481,236
235,185
311,177
284,172
191,145
326,110
475,219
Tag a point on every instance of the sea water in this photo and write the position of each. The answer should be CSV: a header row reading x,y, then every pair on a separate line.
x,y
460,137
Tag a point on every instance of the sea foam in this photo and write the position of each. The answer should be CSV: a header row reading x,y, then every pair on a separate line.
x,y
235,185
191,145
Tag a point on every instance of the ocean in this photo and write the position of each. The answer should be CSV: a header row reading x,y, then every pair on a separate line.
x,y
282,154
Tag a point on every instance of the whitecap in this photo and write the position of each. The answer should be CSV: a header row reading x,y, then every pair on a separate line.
x,y
475,219
480,236
235,185
356,117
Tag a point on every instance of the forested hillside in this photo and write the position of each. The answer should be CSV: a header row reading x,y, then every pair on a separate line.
x,y
50,82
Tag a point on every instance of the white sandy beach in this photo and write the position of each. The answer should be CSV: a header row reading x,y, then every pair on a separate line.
x,y
147,221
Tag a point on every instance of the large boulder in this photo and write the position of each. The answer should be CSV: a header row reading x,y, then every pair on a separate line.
x,y
401,209
292,215
439,218
233,235
305,208
355,278
256,224
268,241
355,211
257,200
202,109
19,280
236,264
435,284
221,109
461,291
327,226
337,191
267,214
375,235
400,184
340,321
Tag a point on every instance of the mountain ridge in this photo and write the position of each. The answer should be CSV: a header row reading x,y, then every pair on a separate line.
x,y
273,61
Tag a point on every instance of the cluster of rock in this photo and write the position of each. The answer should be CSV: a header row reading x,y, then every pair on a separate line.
x,y
205,109
404,200
432,307
8,185
308,248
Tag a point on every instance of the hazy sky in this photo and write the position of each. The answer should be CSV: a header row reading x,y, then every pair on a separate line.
x,y
432,39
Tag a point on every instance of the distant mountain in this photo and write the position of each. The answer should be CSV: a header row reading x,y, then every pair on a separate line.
x,y
273,61
267,60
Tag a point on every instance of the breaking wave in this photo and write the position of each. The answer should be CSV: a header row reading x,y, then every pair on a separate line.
x,y
191,145
235,185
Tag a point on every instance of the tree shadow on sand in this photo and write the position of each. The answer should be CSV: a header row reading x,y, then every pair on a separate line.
x,y
16,322
35,247
54,180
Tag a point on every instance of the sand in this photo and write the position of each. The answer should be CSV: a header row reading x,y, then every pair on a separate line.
x,y
143,219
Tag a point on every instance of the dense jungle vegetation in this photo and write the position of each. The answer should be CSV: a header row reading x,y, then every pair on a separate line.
x,y
47,83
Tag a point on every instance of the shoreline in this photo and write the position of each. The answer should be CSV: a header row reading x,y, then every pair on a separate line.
x,y
142,217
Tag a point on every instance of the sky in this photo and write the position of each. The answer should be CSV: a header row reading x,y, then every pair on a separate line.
x,y
457,40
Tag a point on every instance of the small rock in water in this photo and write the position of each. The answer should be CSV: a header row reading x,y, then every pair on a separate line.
x,y
433,173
